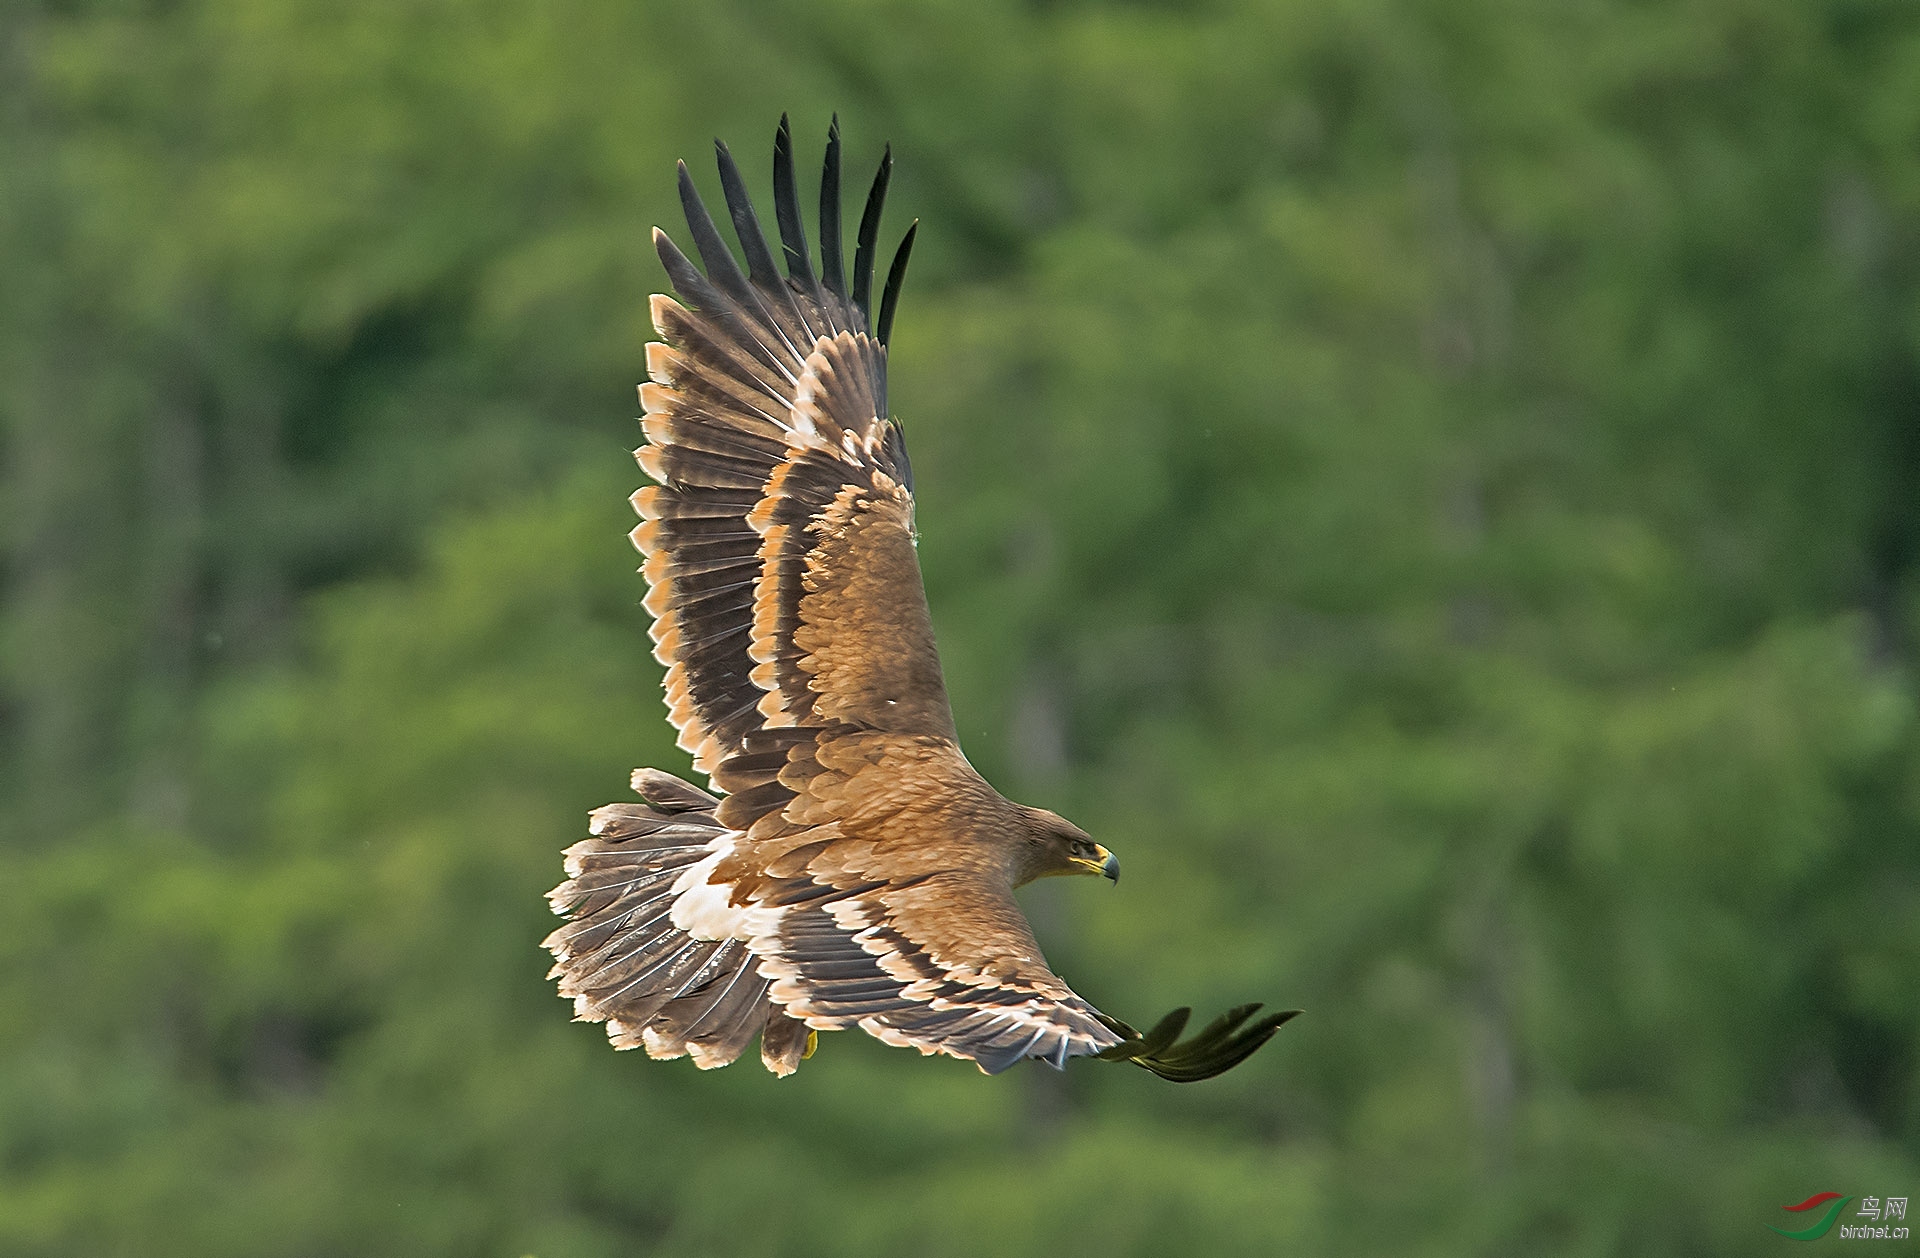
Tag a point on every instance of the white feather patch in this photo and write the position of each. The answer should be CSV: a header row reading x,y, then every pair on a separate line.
x,y
703,909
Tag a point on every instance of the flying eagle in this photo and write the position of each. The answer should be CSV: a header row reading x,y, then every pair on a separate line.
x,y
852,869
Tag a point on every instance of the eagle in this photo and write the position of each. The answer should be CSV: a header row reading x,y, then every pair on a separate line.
x,y
850,867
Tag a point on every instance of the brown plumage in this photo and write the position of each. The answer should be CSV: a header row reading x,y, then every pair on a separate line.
x,y
854,870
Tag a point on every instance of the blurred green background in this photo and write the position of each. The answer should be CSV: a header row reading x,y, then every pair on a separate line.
x,y
1432,483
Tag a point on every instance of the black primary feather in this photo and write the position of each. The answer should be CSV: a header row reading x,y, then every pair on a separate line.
x,y
723,290
746,224
869,236
1226,1042
686,277
830,260
786,209
722,270
760,267
896,274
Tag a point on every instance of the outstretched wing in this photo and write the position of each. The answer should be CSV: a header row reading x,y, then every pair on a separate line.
x,y
780,482
801,670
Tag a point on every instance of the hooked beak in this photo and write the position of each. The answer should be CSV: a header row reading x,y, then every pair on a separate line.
x,y
1102,862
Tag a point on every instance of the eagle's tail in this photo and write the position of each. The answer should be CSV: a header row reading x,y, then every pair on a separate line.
x,y
621,959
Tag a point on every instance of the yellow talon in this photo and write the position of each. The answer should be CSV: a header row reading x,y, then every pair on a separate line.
x,y
813,1042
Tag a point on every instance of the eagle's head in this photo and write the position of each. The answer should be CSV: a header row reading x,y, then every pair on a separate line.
x,y
1053,846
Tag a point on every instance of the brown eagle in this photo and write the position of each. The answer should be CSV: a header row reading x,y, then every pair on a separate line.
x,y
854,870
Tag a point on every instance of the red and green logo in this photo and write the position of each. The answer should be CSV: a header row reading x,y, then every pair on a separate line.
x,y
1820,1227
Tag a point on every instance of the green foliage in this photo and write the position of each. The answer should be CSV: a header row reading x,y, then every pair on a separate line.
x,y
1433,485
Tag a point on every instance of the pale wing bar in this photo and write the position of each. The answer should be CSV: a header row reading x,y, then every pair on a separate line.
x,y
847,962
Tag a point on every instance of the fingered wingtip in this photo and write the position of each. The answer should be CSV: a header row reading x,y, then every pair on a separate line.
x,y
786,212
1223,1044
896,275
866,243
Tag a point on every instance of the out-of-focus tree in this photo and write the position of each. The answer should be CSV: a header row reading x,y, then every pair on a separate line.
x,y
1432,484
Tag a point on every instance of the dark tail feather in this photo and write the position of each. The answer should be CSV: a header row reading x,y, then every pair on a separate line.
x,y
715,1022
785,1042
619,957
